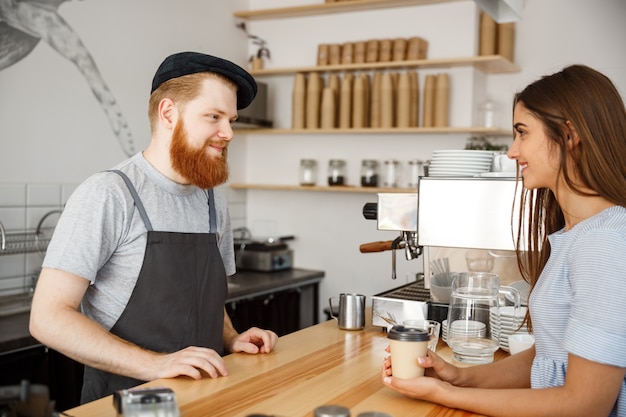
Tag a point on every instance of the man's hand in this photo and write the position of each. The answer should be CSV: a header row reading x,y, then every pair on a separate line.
x,y
254,340
191,361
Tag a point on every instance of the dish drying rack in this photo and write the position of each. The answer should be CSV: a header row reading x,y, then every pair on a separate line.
x,y
12,243
17,299
16,292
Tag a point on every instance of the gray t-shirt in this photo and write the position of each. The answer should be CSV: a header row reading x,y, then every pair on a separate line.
x,y
101,235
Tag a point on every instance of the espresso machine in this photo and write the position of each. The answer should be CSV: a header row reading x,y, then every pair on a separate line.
x,y
447,217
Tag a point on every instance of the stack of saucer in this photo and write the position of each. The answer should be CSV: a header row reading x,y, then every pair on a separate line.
x,y
459,163
509,324
467,328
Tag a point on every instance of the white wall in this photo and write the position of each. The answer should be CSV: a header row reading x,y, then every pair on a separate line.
x,y
52,130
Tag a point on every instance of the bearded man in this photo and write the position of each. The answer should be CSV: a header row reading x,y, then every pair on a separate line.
x,y
134,280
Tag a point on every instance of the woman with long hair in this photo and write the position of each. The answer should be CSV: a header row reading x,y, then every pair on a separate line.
x,y
570,145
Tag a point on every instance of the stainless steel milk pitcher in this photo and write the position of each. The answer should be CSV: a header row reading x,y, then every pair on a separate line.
x,y
351,314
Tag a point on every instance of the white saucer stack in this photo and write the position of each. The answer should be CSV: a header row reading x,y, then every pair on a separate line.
x,y
509,322
459,163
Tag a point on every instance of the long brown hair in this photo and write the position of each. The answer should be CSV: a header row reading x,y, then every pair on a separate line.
x,y
588,100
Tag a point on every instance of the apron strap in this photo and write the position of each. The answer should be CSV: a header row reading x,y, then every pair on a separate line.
x,y
212,215
138,203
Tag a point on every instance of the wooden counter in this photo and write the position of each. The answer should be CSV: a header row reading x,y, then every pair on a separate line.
x,y
312,367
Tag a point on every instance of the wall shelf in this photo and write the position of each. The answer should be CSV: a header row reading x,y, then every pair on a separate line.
x,y
318,188
328,8
489,64
487,131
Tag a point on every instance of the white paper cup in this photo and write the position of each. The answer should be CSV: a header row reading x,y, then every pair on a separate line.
x,y
406,344
519,342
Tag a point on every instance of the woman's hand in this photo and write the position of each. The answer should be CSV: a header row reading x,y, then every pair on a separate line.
x,y
436,371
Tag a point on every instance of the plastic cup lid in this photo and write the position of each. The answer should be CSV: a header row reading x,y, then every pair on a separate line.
x,y
408,334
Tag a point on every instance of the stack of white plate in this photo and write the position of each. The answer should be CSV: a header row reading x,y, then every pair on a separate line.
x,y
444,330
509,322
459,163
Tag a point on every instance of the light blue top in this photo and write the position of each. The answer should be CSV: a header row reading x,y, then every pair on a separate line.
x,y
579,303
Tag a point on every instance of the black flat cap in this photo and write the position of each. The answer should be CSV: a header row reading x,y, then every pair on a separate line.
x,y
185,63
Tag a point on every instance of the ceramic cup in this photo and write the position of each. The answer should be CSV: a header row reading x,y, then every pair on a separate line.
x,y
502,163
519,342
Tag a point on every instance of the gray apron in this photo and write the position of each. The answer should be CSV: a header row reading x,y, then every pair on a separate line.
x,y
178,300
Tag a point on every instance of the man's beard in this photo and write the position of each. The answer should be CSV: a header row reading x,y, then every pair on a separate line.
x,y
196,165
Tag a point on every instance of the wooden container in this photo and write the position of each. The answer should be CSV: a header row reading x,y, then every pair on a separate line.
x,y
334,54
488,33
417,48
335,83
372,51
256,63
385,50
442,100
428,107
387,102
403,101
375,100
415,98
328,109
360,51
347,53
360,99
345,102
506,40
298,115
399,49
315,85
323,54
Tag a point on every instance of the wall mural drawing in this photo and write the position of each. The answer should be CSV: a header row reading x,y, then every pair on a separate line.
x,y
23,23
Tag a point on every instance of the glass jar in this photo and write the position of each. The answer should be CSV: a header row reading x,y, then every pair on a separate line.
x,y
336,172
308,172
391,171
487,111
369,173
414,172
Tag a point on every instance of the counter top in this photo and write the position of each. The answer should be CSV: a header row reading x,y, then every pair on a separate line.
x,y
246,284
315,366
14,334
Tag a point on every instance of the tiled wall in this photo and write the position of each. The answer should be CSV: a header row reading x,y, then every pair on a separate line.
x,y
22,206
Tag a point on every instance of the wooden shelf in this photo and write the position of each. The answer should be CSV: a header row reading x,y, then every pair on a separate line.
x,y
334,189
328,8
489,64
487,131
